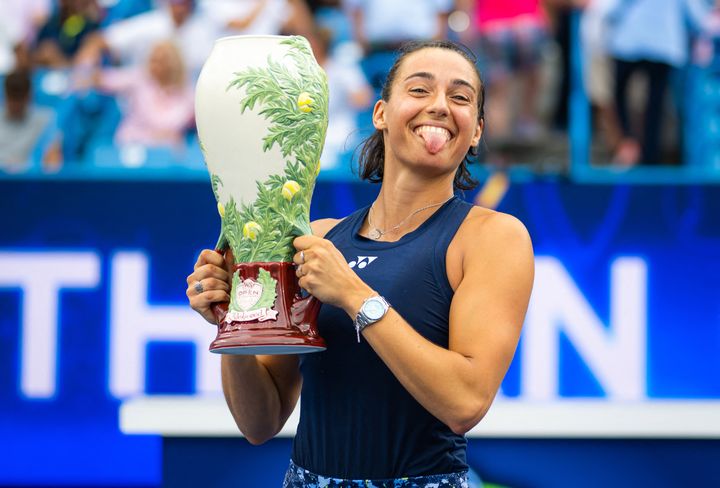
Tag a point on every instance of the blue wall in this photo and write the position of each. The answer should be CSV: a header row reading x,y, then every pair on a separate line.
x,y
71,436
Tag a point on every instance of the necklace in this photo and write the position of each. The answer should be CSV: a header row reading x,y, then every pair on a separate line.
x,y
376,233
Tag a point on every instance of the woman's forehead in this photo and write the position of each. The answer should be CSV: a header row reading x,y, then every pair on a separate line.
x,y
439,62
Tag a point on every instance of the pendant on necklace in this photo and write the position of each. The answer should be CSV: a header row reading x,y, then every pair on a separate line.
x,y
375,234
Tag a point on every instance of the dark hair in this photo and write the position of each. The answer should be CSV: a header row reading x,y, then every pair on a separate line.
x,y
17,85
371,163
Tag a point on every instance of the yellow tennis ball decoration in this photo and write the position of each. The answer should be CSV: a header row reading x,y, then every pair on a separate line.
x,y
73,25
304,102
289,189
251,230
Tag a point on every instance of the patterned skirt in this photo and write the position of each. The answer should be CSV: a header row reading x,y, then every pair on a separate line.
x,y
297,477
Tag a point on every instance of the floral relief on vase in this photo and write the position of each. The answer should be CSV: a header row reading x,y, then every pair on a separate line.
x,y
289,91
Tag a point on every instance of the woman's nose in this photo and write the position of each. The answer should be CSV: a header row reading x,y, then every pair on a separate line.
x,y
438,104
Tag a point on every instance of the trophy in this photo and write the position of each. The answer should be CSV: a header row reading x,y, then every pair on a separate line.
x,y
261,112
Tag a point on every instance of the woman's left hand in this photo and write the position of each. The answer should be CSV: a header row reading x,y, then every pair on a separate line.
x,y
325,274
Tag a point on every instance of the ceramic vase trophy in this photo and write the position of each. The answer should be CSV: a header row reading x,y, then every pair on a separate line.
x,y
261,113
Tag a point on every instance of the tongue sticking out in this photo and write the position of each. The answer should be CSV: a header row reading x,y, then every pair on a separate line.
x,y
434,141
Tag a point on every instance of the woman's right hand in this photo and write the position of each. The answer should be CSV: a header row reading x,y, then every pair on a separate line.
x,y
211,272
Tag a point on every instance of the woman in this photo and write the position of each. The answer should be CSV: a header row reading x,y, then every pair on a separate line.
x,y
399,385
159,103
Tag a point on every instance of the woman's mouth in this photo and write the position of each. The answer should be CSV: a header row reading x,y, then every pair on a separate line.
x,y
435,137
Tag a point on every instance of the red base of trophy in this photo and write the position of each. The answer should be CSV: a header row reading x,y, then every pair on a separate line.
x,y
288,326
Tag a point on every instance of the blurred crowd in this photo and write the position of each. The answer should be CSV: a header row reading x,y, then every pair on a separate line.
x,y
110,82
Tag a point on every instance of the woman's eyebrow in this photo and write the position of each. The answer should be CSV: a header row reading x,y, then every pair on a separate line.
x,y
421,74
431,77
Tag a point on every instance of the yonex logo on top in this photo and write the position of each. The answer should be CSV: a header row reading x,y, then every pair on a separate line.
x,y
362,261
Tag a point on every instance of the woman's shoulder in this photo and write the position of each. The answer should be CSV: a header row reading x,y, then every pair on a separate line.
x,y
487,243
321,227
482,216
484,230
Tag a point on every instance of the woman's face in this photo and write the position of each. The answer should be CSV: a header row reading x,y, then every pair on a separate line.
x,y
162,64
431,118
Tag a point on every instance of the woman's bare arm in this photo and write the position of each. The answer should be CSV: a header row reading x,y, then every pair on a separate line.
x,y
494,260
261,391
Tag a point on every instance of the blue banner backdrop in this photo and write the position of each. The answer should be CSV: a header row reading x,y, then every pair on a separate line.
x,y
625,307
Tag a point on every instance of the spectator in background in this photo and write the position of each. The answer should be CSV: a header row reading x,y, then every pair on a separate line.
x,y
259,17
511,35
598,70
349,92
89,117
560,13
60,37
649,36
157,102
316,5
124,9
19,23
330,14
21,124
127,41
380,27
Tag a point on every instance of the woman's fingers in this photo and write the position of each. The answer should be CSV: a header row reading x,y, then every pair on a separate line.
x,y
208,271
207,298
304,242
208,256
209,289
209,283
203,303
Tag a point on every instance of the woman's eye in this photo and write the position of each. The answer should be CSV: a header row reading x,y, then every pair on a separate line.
x,y
418,90
462,98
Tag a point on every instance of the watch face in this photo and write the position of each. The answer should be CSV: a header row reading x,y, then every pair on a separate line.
x,y
374,309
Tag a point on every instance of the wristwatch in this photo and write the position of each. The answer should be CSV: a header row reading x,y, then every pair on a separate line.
x,y
372,310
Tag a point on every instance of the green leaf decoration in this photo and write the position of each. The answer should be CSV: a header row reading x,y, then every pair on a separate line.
x,y
267,298
222,242
295,104
216,182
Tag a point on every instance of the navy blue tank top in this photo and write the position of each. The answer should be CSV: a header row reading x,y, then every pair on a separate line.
x,y
356,420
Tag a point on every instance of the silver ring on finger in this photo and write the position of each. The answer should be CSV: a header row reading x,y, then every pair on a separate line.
x,y
299,271
198,286
302,257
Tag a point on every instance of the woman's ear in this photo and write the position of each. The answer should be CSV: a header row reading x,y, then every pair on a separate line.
x,y
478,133
379,115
